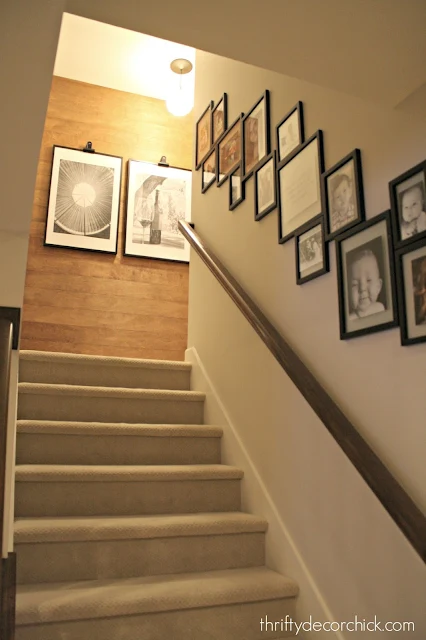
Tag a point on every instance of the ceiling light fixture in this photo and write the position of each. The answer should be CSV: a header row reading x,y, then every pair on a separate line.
x,y
180,100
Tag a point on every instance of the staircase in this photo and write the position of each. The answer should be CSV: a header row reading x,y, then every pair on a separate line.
x,y
128,527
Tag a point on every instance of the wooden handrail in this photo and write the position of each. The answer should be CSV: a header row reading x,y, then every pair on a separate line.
x,y
6,337
393,497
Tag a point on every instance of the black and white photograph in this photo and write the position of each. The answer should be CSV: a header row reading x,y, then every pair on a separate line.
x,y
256,135
84,200
290,132
220,118
366,278
411,274
343,194
408,205
236,189
265,190
209,171
299,187
311,252
157,198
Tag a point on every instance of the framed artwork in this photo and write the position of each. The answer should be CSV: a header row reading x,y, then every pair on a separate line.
x,y
290,132
265,188
84,200
366,278
256,135
311,251
411,279
408,205
343,195
236,189
209,171
220,117
229,150
157,198
299,186
203,135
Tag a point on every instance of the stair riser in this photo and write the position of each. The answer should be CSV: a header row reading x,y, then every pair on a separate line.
x,y
37,406
38,499
115,450
102,375
212,623
115,559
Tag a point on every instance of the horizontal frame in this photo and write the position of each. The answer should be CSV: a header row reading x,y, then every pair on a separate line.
x,y
402,297
393,185
206,185
199,160
267,124
298,108
234,204
221,178
319,220
223,100
271,157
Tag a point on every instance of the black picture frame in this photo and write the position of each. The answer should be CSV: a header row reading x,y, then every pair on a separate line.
x,y
223,102
375,273
206,182
258,173
310,229
236,176
229,158
406,232
346,176
296,111
249,167
204,122
303,217
416,309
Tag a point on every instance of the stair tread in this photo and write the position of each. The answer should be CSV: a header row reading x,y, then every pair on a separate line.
x,y
74,358
50,427
115,392
40,603
125,473
73,529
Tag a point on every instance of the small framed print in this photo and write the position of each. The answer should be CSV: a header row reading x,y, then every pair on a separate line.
x,y
229,150
203,136
343,195
366,278
411,279
299,187
408,205
265,189
256,135
236,189
209,171
220,118
311,252
290,132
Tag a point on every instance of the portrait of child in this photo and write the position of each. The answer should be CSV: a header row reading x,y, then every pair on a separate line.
x,y
412,215
365,286
418,267
344,194
342,209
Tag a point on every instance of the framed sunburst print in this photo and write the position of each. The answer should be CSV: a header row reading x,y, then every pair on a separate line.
x,y
84,200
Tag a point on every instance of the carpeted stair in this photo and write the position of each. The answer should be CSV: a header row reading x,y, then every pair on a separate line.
x,y
128,527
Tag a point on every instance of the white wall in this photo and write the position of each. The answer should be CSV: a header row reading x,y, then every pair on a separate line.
x,y
355,555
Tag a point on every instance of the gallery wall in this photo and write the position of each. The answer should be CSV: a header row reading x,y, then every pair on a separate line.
x,y
92,302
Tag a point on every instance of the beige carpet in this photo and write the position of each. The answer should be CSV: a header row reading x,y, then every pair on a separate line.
x,y
128,526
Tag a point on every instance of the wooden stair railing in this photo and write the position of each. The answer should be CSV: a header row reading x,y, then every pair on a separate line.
x,y
392,496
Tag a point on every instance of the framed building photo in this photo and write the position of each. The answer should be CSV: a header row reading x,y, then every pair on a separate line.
x,y
256,135
84,200
366,278
203,135
411,281
290,132
265,188
236,189
343,195
311,251
229,150
299,186
209,171
220,118
408,205
157,198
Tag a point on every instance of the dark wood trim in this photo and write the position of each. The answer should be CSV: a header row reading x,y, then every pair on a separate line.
x,y
392,496
8,597
5,351
13,315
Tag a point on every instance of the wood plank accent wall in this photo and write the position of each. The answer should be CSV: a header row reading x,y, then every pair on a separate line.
x,y
94,303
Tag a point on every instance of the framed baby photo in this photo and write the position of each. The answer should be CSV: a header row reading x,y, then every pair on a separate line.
x,y
209,171
299,187
265,188
408,205
220,118
411,282
229,150
236,189
203,135
290,132
366,278
311,251
256,135
343,195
